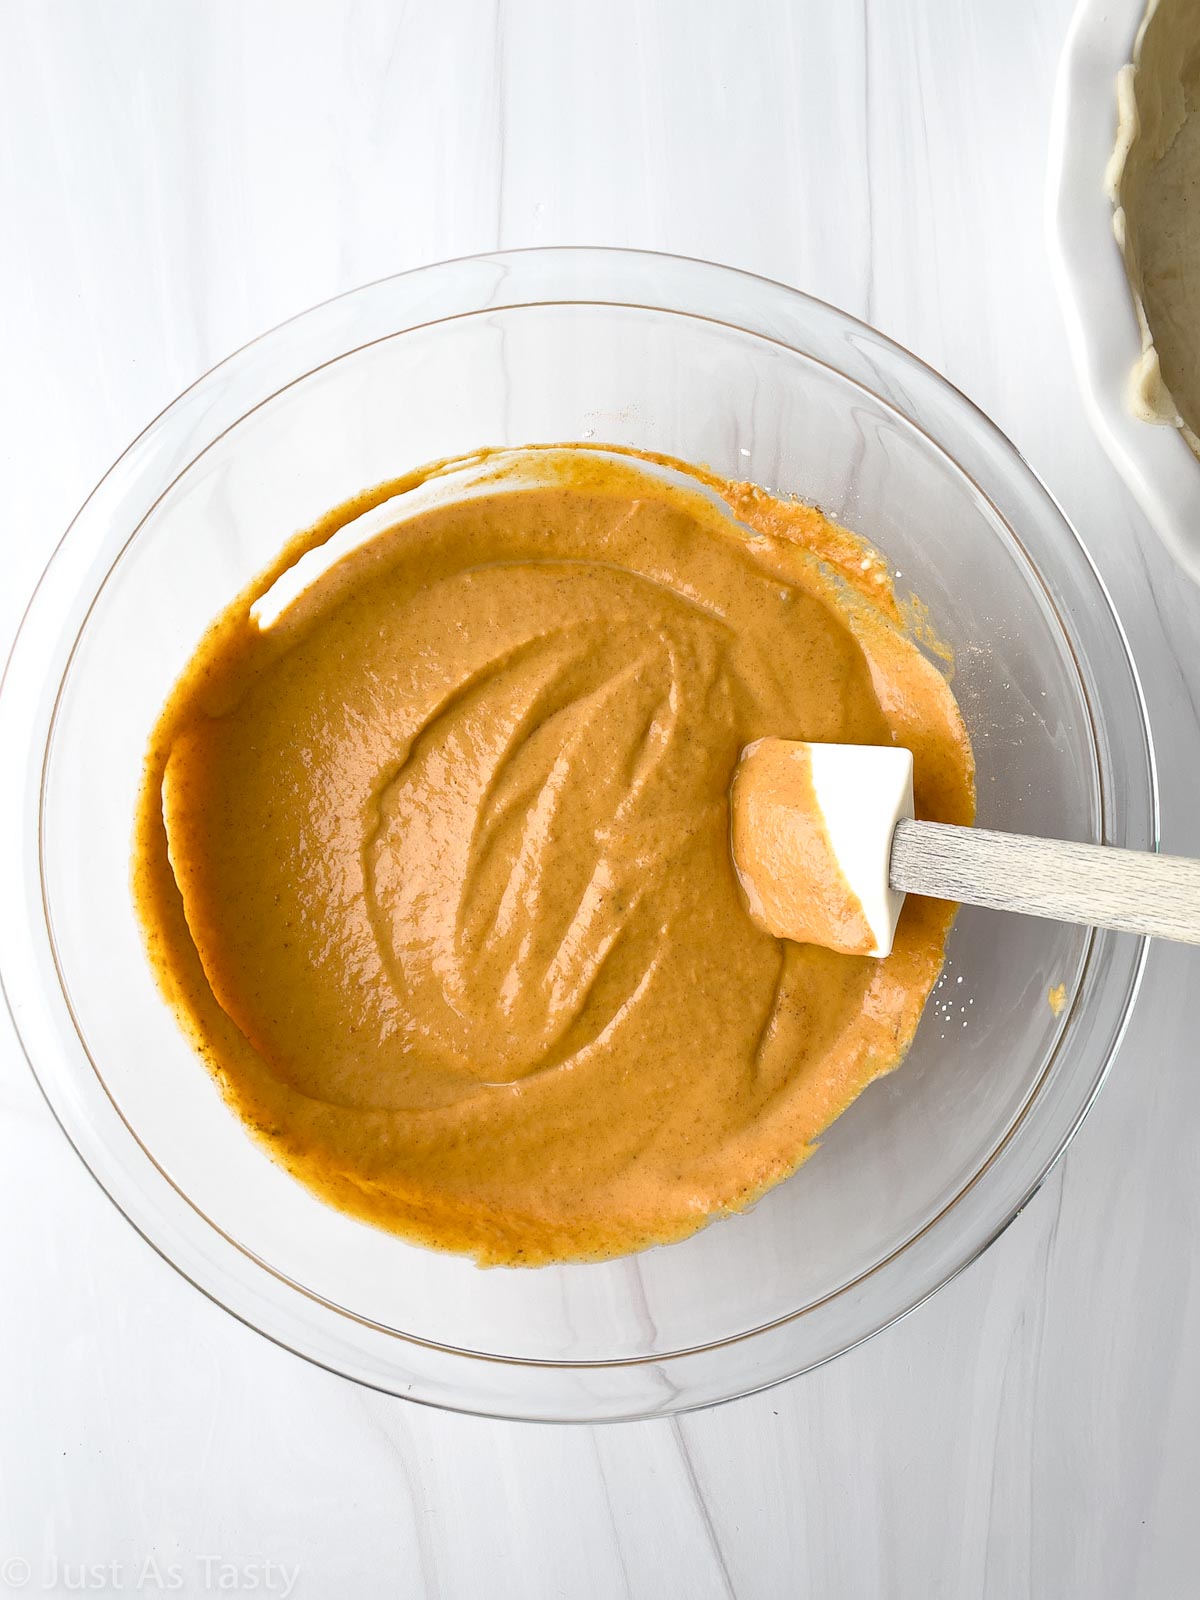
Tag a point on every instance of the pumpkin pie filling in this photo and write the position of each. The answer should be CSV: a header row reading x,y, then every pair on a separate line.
x,y
433,861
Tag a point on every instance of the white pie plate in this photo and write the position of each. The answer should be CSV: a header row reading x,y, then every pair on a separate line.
x,y
1102,324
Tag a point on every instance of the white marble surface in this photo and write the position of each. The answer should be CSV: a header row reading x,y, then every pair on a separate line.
x,y
174,177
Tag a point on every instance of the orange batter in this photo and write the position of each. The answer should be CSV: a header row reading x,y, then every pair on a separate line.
x,y
436,870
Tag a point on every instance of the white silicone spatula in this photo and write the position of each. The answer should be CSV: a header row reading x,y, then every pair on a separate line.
x,y
864,798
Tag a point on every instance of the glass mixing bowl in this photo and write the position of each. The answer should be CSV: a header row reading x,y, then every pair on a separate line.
x,y
713,366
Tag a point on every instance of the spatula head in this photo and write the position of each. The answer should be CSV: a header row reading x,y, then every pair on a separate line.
x,y
812,840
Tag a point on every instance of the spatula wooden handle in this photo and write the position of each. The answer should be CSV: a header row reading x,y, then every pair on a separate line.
x,y
1134,891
